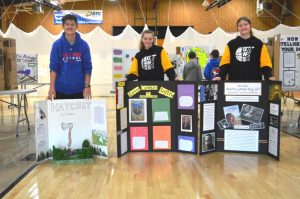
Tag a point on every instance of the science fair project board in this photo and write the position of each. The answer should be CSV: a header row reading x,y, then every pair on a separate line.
x,y
65,124
156,116
240,117
234,117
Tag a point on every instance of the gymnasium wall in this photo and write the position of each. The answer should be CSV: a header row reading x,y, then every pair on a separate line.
x,y
176,13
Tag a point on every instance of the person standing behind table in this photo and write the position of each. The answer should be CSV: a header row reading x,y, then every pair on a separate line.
x,y
191,70
151,62
70,64
245,57
212,68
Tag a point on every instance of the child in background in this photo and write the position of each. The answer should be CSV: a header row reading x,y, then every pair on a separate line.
x,y
212,68
191,70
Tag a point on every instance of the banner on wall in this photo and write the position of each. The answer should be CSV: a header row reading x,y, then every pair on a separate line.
x,y
289,72
121,60
60,123
27,68
83,16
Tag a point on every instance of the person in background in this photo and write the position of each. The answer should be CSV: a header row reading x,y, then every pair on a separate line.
x,y
212,68
208,145
70,64
191,70
151,62
245,57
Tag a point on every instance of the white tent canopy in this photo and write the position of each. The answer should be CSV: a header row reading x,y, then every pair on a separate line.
x,y
219,37
40,42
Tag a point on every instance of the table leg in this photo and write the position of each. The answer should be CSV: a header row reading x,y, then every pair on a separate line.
x,y
19,112
25,111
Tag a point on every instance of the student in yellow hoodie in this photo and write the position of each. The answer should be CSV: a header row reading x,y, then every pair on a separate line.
x,y
245,57
151,62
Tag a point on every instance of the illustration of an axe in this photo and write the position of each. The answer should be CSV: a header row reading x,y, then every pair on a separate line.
x,y
69,126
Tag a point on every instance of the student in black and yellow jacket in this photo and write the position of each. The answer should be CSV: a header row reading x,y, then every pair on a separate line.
x,y
245,57
151,62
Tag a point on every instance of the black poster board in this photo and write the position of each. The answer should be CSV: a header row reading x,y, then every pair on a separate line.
x,y
235,116
160,116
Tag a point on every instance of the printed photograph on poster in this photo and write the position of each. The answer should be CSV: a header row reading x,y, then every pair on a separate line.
x,y
186,96
139,138
289,78
251,114
161,110
123,118
186,123
275,92
223,124
208,116
274,109
211,92
201,95
99,137
289,60
232,115
124,145
208,142
186,143
27,68
161,137
257,126
137,110
120,93
273,120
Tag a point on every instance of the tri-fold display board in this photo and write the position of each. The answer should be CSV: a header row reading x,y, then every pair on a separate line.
x,y
232,116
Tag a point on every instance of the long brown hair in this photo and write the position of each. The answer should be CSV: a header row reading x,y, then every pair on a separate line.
x,y
142,46
245,19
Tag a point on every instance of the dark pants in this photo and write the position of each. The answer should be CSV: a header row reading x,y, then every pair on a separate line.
x,y
71,96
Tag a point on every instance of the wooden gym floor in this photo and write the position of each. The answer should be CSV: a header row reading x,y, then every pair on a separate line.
x,y
154,175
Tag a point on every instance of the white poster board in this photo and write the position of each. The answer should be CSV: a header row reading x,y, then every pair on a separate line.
x,y
289,62
67,123
27,68
121,62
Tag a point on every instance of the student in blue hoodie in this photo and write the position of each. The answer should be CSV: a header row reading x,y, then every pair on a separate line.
x,y
70,64
212,69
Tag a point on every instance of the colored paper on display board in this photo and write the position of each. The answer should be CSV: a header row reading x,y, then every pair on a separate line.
x,y
161,137
139,138
186,95
161,110
186,143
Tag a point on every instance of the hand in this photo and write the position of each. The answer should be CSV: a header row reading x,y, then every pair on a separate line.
x,y
51,93
87,94
216,79
272,78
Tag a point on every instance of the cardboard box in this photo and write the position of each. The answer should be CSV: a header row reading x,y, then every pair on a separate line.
x,y
10,63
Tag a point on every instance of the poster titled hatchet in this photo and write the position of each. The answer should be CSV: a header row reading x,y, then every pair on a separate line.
x,y
70,122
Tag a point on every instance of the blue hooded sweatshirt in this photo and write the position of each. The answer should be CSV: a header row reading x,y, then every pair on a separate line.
x,y
212,66
71,63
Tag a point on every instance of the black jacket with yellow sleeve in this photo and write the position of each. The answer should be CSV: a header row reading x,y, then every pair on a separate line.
x,y
245,59
150,65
